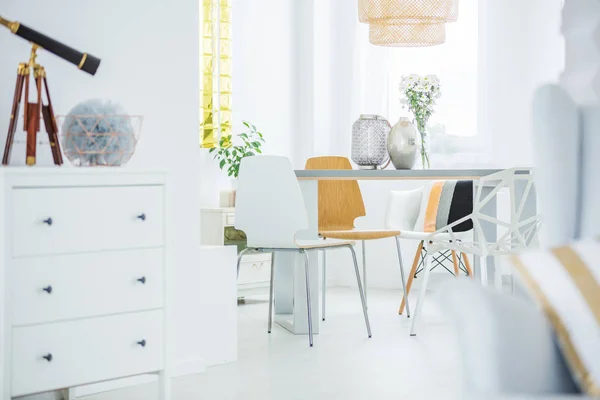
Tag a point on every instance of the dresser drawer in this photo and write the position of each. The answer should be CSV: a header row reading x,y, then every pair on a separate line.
x,y
85,351
57,288
81,219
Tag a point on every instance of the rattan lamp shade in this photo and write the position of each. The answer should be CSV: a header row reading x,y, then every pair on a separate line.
x,y
407,35
407,11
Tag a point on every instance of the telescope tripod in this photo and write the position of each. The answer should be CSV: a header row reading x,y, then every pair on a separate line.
x,y
33,113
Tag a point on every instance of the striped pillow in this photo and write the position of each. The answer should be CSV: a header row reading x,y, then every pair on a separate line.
x,y
566,283
445,203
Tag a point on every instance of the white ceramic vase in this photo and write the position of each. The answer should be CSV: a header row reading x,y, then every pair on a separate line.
x,y
403,144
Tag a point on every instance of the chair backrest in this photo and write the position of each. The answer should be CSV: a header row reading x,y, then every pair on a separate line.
x,y
340,202
269,203
403,209
520,227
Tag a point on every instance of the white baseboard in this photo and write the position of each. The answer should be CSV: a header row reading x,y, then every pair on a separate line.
x,y
181,368
189,367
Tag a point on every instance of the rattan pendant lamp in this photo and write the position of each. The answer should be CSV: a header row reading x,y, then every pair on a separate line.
x,y
407,23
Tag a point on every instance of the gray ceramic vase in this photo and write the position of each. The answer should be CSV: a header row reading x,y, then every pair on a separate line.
x,y
402,144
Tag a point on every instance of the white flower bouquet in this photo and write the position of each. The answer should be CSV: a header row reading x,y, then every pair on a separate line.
x,y
419,96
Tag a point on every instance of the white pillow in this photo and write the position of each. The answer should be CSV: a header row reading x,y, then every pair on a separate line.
x,y
565,281
403,209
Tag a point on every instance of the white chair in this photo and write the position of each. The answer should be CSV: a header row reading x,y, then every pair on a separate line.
x,y
270,210
520,231
406,212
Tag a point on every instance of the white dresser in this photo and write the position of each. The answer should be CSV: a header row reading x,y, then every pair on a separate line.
x,y
255,269
83,277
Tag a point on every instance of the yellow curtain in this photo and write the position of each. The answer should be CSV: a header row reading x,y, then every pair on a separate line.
x,y
215,64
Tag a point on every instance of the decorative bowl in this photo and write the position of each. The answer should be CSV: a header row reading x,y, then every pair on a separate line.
x,y
99,139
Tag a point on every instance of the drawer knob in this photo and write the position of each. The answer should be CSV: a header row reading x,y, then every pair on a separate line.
x,y
142,280
142,217
142,342
48,289
48,357
48,221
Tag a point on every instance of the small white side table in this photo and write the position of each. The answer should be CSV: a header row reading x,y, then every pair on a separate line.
x,y
255,269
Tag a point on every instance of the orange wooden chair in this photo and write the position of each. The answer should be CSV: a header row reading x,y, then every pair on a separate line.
x,y
340,203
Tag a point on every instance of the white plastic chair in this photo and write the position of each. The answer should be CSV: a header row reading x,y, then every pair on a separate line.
x,y
405,212
270,210
520,231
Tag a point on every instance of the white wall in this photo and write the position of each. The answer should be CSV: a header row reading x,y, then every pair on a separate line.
x,y
149,52
520,48
262,83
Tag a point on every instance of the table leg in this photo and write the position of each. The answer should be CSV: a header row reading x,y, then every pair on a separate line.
x,y
290,287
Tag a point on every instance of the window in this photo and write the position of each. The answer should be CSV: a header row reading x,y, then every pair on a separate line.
x,y
453,131
215,71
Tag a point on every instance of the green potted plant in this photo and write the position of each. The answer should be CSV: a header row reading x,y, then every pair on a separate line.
x,y
230,155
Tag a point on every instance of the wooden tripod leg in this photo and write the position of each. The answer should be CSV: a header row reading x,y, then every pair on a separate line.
x,y
51,126
14,116
468,265
26,102
411,277
33,123
455,262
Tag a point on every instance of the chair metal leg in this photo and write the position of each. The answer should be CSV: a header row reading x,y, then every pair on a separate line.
x,y
404,292
308,305
360,290
417,314
324,287
364,265
271,291
239,260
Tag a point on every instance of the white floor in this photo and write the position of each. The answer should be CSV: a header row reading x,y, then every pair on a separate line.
x,y
344,364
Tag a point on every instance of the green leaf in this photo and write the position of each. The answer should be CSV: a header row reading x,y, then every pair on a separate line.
x,y
247,124
222,164
243,135
258,151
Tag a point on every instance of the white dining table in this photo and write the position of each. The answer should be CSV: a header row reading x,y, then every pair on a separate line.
x,y
290,290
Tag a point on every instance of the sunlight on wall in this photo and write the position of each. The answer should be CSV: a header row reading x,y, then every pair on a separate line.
x,y
215,69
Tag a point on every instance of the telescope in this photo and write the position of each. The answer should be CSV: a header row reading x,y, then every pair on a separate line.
x,y
34,112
